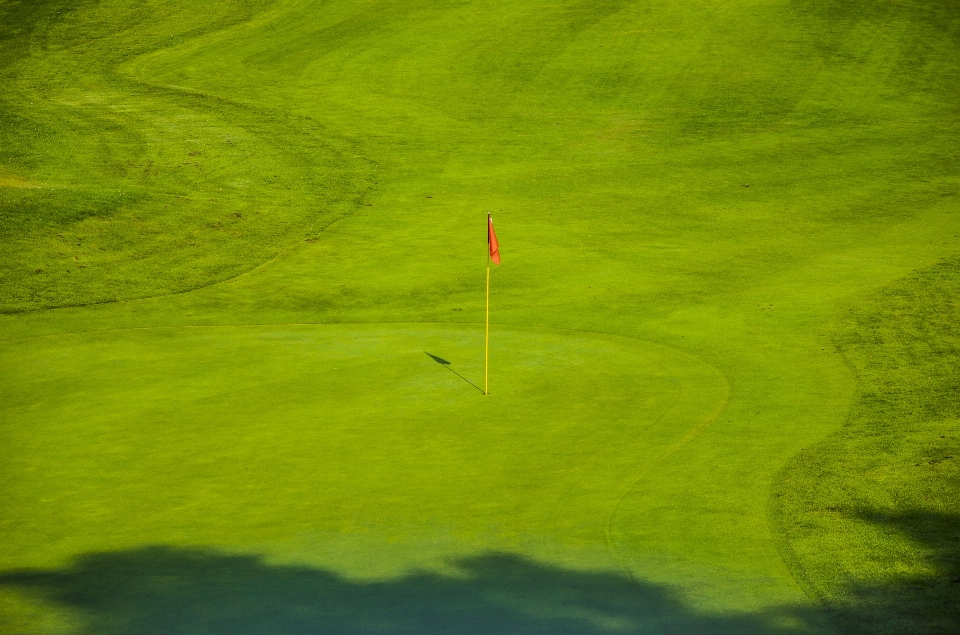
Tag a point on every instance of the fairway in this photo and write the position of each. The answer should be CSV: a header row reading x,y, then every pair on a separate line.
x,y
242,316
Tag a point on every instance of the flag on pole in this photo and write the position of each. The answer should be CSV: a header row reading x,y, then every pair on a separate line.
x,y
492,241
493,253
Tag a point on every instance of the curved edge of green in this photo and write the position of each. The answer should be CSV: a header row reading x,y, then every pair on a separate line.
x,y
882,550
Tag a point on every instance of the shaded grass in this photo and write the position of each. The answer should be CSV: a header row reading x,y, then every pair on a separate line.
x,y
162,590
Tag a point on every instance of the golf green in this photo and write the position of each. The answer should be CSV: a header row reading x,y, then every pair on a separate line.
x,y
369,449
260,435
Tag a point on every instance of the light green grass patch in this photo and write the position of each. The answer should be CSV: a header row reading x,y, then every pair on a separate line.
x,y
254,436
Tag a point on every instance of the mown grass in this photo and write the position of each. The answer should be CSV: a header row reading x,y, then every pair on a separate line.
x,y
116,190
717,181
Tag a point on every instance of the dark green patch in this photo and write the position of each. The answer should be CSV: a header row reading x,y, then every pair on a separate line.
x,y
872,515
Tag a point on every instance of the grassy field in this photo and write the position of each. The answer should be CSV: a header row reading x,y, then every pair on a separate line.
x,y
241,304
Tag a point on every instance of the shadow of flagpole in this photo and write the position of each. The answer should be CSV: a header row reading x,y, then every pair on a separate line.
x,y
449,367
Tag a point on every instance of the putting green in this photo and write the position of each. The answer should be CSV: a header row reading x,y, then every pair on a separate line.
x,y
257,436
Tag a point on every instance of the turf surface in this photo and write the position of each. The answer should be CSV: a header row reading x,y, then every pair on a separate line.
x,y
261,220
873,531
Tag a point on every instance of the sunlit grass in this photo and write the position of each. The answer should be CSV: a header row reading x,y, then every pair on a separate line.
x,y
690,200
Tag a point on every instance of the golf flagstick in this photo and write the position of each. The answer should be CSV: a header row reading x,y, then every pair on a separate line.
x,y
486,347
493,253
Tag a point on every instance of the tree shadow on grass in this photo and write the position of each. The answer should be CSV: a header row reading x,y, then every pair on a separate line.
x,y
170,591
926,603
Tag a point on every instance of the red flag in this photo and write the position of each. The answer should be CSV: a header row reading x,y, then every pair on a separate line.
x,y
492,242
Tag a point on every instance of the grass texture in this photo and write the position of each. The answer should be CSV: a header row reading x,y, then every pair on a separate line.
x,y
242,300
871,514
113,189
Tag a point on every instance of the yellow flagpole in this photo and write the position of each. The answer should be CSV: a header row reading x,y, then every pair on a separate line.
x,y
486,350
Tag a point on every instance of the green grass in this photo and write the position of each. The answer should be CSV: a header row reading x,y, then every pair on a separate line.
x,y
308,414
113,190
871,515
255,221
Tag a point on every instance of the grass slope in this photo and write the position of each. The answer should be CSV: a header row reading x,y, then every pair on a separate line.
x,y
688,198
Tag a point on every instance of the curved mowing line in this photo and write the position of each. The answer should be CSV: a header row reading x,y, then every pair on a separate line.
x,y
281,251
690,436
128,83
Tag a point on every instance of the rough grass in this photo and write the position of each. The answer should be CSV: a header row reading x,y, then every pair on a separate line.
x,y
872,515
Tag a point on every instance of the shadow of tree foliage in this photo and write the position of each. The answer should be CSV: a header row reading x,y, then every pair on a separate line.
x,y
927,603
170,591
